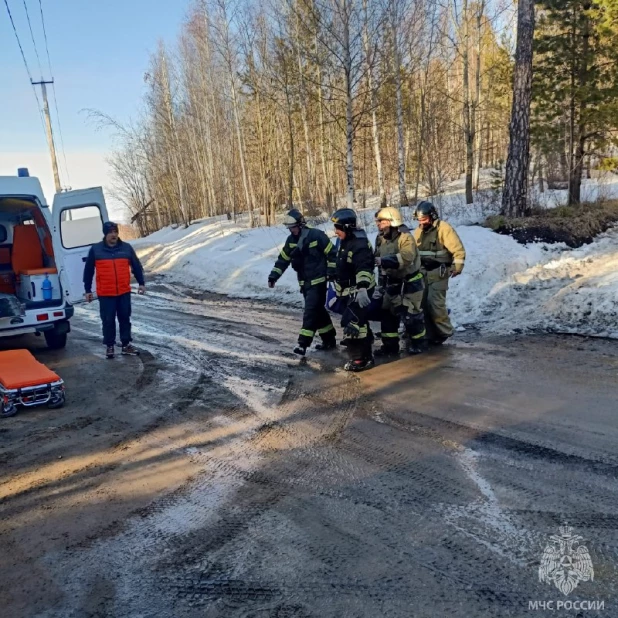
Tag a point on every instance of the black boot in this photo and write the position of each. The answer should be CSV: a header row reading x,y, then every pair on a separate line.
x,y
300,350
359,365
416,346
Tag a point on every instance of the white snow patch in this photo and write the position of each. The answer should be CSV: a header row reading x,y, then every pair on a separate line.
x,y
505,286
484,520
255,396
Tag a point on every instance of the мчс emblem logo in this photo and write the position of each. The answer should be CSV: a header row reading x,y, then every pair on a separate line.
x,y
565,561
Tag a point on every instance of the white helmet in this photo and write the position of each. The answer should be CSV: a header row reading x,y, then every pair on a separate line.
x,y
390,214
294,218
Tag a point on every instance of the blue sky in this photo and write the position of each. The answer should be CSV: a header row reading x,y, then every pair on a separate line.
x,y
99,52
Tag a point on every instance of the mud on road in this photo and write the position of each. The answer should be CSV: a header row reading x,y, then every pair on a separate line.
x,y
216,476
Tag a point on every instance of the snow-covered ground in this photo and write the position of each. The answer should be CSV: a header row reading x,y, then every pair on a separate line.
x,y
505,286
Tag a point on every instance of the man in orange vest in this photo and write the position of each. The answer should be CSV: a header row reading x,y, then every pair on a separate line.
x,y
113,260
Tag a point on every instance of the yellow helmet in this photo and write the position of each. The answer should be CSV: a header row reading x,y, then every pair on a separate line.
x,y
390,214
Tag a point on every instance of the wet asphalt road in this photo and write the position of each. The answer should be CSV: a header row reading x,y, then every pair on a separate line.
x,y
429,486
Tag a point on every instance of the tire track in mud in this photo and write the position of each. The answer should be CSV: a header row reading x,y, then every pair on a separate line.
x,y
293,505
263,430
204,582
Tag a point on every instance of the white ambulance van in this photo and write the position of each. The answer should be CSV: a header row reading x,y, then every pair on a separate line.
x,y
42,255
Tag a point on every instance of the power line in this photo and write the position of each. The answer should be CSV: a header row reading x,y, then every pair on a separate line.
x,y
36,51
45,37
64,156
21,49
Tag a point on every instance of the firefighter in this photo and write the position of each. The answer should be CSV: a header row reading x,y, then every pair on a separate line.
x,y
400,284
310,253
354,284
442,256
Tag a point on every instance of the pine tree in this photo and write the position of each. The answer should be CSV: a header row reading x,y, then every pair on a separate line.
x,y
576,82
515,195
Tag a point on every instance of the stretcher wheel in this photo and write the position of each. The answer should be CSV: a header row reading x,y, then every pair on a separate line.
x,y
7,409
57,403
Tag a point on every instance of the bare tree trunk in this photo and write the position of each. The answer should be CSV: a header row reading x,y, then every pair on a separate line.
x,y
291,144
419,149
174,149
515,194
262,155
401,152
303,107
575,179
241,151
468,112
349,129
476,113
374,113
326,178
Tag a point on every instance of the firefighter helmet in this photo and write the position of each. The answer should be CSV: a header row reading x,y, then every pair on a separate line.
x,y
390,214
426,209
294,218
344,219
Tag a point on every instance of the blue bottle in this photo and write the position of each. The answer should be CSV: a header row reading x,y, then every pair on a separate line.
x,y
46,288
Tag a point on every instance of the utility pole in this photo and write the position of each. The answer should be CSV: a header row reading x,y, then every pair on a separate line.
x,y
50,135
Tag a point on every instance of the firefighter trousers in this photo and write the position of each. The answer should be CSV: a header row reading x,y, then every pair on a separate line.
x,y
359,346
402,301
434,305
316,318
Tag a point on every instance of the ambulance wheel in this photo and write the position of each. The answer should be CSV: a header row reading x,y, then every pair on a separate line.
x,y
7,409
57,403
55,340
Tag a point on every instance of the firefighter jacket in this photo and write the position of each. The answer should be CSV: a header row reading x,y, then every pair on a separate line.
x,y
311,254
398,253
113,267
355,264
440,245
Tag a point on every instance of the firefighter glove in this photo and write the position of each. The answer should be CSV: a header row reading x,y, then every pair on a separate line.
x,y
351,330
362,298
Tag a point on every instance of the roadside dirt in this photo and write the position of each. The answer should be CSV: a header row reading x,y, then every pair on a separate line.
x,y
574,226
216,476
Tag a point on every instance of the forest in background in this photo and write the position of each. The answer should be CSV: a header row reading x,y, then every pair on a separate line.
x,y
322,103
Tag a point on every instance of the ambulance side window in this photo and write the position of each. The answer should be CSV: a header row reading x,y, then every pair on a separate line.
x,y
81,226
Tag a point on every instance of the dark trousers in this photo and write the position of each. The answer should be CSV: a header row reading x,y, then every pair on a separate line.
x,y
110,307
360,347
316,318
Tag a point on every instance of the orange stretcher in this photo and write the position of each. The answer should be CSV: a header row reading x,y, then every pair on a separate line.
x,y
27,382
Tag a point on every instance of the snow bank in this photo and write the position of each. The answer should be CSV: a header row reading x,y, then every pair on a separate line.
x,y
505,286
567,290
220,257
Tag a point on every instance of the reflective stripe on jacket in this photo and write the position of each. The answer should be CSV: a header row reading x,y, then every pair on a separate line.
x,y
440,245
399,255
311,255
355,264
